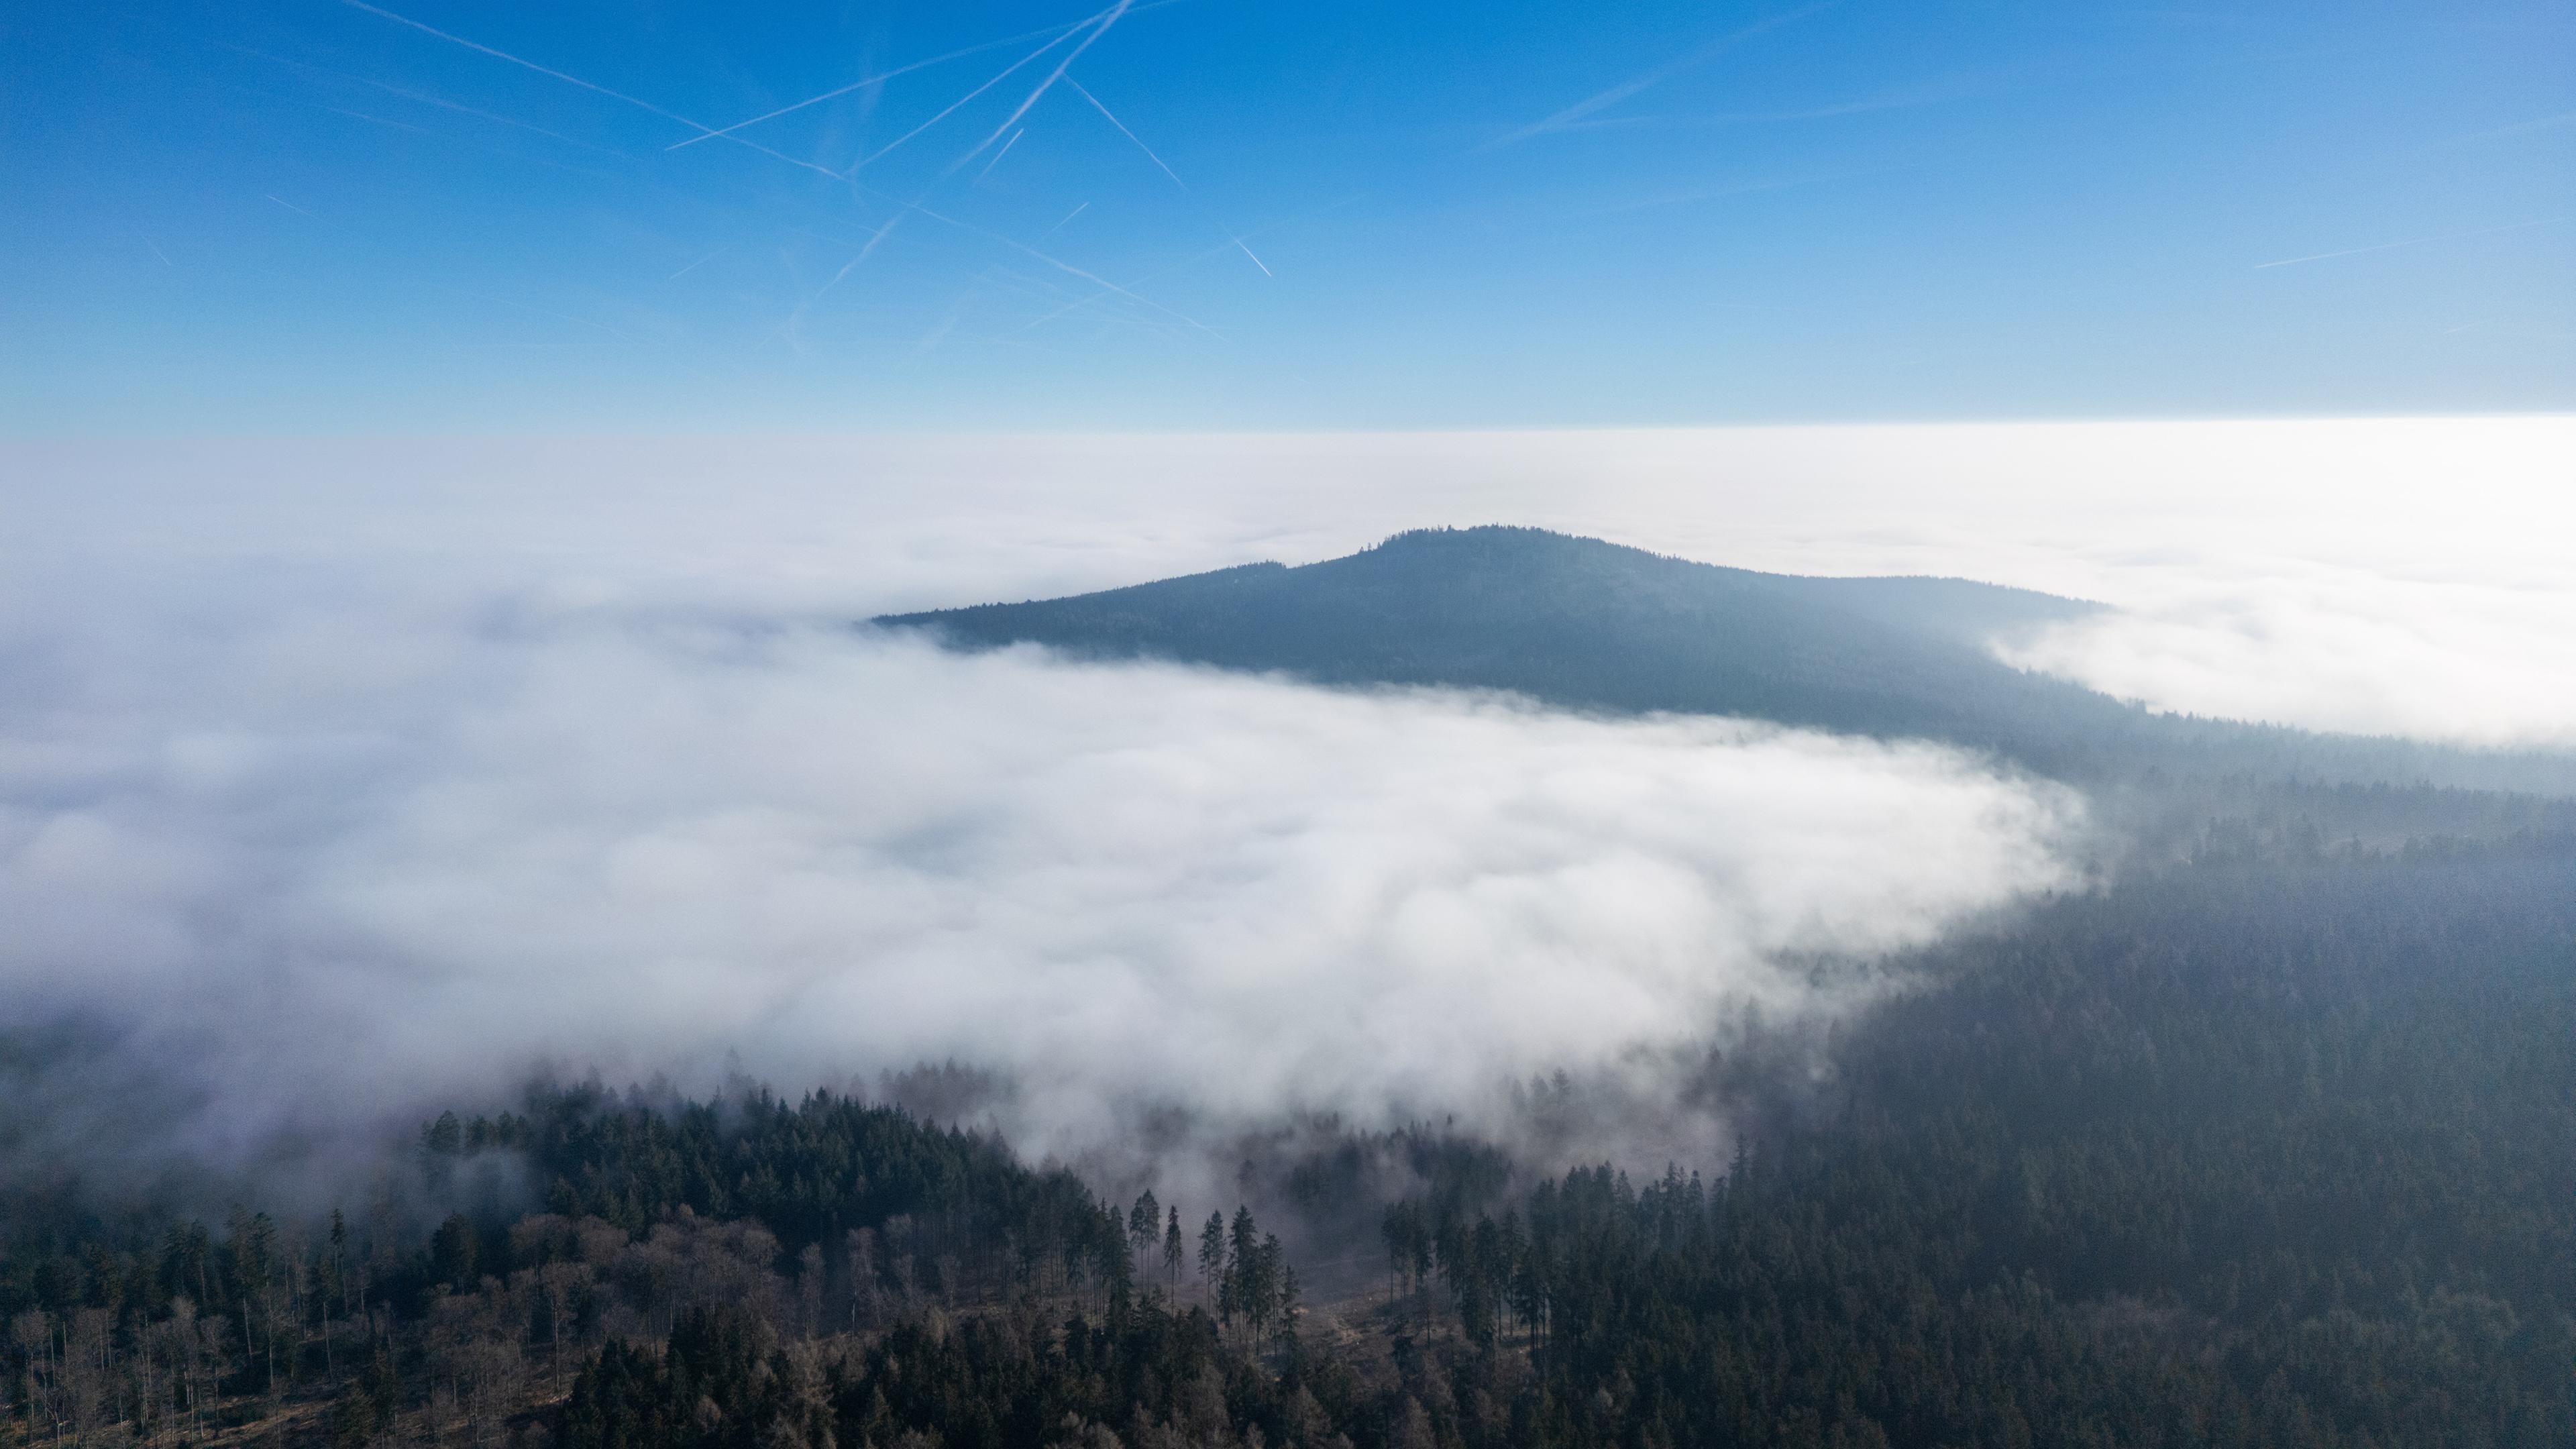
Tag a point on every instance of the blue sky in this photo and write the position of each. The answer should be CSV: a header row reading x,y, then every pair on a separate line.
x,y
468,216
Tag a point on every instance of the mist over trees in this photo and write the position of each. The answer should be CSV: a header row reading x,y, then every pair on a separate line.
x,y
2266,1135
2274,1146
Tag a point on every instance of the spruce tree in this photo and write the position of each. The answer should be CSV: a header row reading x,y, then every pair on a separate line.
x,y
1212,1253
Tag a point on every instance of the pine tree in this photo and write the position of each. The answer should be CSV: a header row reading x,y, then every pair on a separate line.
x,y
1144,1221
1212,1253
1396,1226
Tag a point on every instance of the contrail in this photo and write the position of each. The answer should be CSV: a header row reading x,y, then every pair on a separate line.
x,y
1026,283
1900,99
1123,131
432,133
700,262
1112,117
1023,344
2497,133
1657,76
952,106
815,167
2520,128
529,64
1711,193
788,328
1108,286
1059,32
156,250
1078,303
1194,258
430,100
1056,31
382,121
956,312
1152,327
998,155
1068,217
1068,269
2412,241
852,264
423,98
1058,74
558,316
1049,294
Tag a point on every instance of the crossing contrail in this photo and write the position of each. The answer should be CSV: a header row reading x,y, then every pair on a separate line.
x,y
998,155
543,70
1068,269
1058,74
1057,31
951,107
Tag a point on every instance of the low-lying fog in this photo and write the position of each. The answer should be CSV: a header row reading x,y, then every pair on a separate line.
x,y
341,779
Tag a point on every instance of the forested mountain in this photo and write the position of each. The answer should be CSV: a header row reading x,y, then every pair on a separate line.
x,y
2276,1148
1586,624
1580,622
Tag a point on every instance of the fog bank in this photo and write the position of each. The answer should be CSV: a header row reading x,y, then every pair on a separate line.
x,y
338,778
327,867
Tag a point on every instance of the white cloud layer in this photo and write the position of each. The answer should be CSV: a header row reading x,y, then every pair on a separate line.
x,y
329,870
2384,575
348,775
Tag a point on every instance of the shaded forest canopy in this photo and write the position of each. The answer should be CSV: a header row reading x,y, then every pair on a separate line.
x,y
1584,624
2272,1148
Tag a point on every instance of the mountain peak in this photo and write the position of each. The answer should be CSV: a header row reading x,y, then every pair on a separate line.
x,y
1583,623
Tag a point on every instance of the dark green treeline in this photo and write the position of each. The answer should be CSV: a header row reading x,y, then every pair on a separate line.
x,y
2277,1148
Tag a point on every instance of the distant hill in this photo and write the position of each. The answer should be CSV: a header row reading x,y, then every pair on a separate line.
x,y
1590,625
1580,622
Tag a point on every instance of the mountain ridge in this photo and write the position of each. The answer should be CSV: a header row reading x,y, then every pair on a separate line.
x,y
1591,625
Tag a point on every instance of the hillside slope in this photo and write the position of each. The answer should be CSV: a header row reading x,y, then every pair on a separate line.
x,y
1589,625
